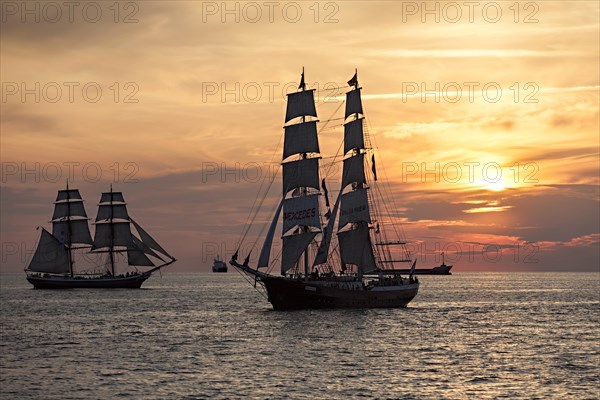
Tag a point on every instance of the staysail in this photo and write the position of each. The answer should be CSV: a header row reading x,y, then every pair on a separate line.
x,y
51,256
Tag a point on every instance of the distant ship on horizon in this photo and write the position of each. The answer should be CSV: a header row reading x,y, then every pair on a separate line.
x,y
441,269
219,265
53,263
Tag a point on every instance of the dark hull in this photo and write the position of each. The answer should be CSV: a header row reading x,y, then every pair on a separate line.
x,y
441,270
289,294
131,282
219,269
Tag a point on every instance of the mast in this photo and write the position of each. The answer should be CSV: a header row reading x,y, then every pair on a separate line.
x,y
355,216
112,235
70,222
70,254
112,226
301,218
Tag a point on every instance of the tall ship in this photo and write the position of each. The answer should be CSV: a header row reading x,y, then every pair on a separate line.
x,y
331,257
441,269
115,246
219,265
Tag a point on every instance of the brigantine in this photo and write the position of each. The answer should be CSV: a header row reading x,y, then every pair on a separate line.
x,y
356,270
53,263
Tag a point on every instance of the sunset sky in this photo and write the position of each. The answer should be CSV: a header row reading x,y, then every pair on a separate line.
x,y
192,103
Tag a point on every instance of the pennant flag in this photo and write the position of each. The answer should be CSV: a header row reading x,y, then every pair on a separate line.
x,y
373,167
302,84
326,192
354,80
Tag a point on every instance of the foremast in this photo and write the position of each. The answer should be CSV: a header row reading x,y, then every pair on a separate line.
x,y
300,195
70,222
70,230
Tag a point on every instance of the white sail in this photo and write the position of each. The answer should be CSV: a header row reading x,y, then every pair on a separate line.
x,y
321,256
114,197
355,248
353,135
50,256
300,138
301,173
110,235
354,208
353,103
108,211
293,247
74,230
354,170
300,104
302,210
265,252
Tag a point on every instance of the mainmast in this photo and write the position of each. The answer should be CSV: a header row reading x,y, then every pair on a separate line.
x,y
70,222
113,231
113,234
355,216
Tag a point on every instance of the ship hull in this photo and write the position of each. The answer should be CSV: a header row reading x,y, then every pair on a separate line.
x,y
59,282
441,270
288,294
219,269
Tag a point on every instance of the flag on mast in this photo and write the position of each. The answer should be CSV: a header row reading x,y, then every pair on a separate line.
x,y
354,80
302,84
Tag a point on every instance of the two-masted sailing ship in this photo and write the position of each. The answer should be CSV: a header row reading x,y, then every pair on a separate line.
x,y
53,263
340,257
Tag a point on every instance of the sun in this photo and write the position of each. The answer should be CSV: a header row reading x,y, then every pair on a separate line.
x,y
495,186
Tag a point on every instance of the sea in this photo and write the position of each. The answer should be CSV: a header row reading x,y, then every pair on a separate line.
x,y
205,335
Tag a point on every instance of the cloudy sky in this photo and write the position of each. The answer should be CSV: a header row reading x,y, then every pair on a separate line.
x,y
485,118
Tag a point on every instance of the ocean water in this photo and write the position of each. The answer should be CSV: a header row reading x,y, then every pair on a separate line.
x,y
195,336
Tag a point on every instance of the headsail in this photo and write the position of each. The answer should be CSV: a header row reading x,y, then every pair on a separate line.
x,y
265,252
51,256
149,240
